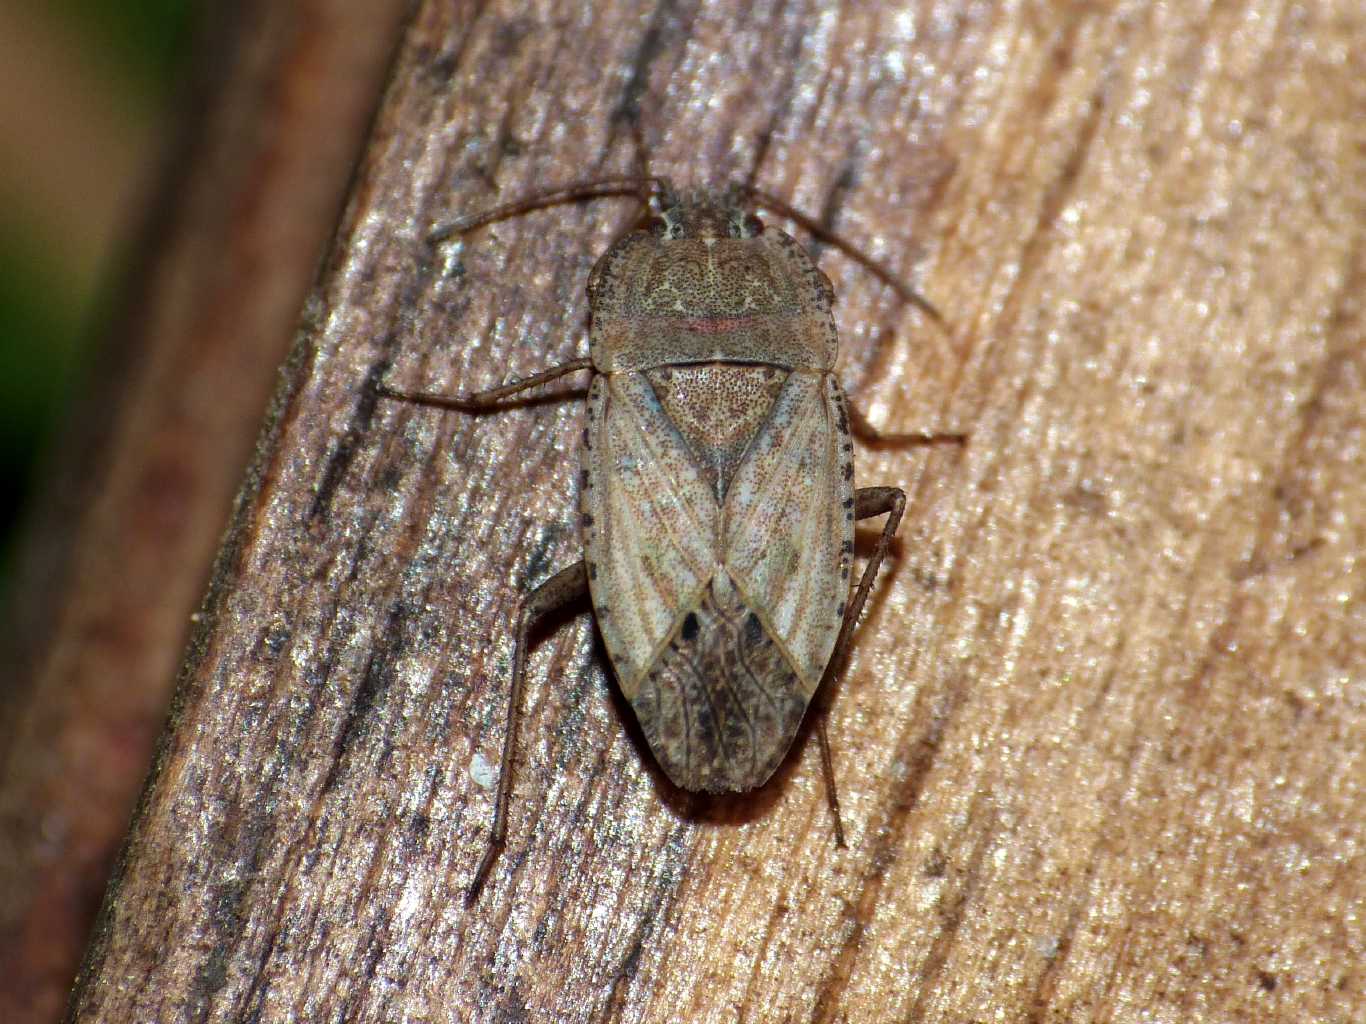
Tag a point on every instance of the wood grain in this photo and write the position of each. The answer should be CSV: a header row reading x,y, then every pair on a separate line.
x,y
115,556
1101,739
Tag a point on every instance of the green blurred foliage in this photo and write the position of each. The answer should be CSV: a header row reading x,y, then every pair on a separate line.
x,y
38,342
47,320
148,37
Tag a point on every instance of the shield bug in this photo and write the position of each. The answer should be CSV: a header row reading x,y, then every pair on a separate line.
x,y
717,500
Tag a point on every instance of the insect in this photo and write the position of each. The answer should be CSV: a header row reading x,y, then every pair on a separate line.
x,y
717,496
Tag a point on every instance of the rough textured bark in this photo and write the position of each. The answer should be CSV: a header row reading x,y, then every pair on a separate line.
x,y
114,561
1101,735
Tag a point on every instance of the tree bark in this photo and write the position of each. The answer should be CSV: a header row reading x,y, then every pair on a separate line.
x,y
1100,740
115,556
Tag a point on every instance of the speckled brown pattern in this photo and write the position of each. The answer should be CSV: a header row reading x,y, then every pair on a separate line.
x,y
689,294
721,703
717,488
718,409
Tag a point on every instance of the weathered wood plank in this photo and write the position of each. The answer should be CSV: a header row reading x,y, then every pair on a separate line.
x,y
1101,740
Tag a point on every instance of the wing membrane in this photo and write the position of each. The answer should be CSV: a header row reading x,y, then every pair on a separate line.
x,y
650,523
788,524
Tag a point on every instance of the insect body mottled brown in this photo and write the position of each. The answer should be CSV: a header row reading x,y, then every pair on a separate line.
x,y
717,501
718,498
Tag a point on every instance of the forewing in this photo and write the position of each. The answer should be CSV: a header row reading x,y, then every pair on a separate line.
x,y
789,522
650,523
721,704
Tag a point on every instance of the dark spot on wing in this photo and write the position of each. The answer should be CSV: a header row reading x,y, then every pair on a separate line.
x,y
721,705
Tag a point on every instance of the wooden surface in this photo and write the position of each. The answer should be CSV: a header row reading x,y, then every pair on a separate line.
x,y
1101,740
116,556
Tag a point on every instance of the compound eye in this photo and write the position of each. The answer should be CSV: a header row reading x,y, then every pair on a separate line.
x,y
670,224
745,225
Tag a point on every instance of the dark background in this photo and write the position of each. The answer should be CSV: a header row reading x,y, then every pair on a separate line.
x,y
87,91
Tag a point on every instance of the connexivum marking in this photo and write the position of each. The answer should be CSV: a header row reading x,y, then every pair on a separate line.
x,y
718,500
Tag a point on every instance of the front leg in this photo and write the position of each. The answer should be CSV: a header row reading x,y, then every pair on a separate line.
x,y
480,401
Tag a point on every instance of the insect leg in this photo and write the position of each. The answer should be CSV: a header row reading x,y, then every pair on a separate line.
x,y
565,587
868,502
481,400
832,797
869,434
